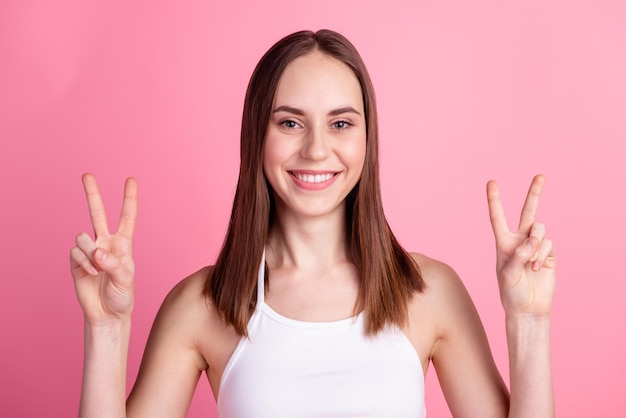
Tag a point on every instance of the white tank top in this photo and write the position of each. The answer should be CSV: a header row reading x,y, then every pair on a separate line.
x,y
291,369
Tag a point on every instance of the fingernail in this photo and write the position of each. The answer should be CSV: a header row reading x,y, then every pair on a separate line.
x,y
100,255
530,244
536,266
93,271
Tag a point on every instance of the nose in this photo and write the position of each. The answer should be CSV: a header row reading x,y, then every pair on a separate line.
x,y
315,145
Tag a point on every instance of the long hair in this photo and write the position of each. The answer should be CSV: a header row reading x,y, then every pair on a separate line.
x,y
388,275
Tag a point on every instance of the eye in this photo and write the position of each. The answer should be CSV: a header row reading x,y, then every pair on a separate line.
x,y
289,124
341,125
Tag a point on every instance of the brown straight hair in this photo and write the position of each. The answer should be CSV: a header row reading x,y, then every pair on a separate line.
x,y
389,275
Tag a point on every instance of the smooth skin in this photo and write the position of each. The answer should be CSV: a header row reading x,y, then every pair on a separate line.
x,y
189,337
317,127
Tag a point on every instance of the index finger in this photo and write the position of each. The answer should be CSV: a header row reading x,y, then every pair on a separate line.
x,y
96,207
128,216
496,212
529,211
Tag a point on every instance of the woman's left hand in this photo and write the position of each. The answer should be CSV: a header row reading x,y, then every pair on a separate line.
x,y
526,264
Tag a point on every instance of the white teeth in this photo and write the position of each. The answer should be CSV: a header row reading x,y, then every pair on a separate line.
x,y
317,178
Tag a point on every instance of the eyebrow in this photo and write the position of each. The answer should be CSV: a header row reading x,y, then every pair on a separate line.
x,y
334,112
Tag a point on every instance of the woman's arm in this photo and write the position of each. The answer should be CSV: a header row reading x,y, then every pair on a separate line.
x,y
460,351
529,363
104,370
173,360
103,272
457,344
526,270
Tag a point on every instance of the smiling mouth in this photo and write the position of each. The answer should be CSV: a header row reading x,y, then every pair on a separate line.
x,y
313,178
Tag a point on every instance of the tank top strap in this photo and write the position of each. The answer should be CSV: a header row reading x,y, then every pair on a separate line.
x,y
260,292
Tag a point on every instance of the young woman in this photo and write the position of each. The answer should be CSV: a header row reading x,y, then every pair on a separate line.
x,y
313,309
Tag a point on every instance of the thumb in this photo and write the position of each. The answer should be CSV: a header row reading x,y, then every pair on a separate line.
x,y
110,264
522,255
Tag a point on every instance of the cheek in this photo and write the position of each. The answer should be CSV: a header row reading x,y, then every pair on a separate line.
x,y
269,155
356,155
273,160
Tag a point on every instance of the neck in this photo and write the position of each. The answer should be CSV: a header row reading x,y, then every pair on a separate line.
x,y
309,243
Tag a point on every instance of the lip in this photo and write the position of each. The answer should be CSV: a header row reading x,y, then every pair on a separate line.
x,y
313,186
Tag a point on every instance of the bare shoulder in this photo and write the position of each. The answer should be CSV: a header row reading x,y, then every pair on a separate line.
x,y
445,327
192,312
188,338
186,305
434,312
445,298
443,285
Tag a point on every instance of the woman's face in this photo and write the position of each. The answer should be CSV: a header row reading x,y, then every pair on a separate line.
x,y
315,141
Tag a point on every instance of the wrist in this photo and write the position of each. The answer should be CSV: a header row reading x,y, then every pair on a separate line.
x,y
527,320
104,368
108,328
106,319
528,336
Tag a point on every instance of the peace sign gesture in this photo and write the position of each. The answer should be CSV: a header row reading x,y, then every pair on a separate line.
x,y
525,263
103,269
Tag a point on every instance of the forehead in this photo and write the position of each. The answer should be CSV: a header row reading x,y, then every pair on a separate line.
x,y
317,80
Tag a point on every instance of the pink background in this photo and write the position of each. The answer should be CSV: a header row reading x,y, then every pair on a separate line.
x,y
466,93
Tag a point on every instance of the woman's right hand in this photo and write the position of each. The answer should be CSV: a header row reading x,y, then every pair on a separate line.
x,y
103,269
